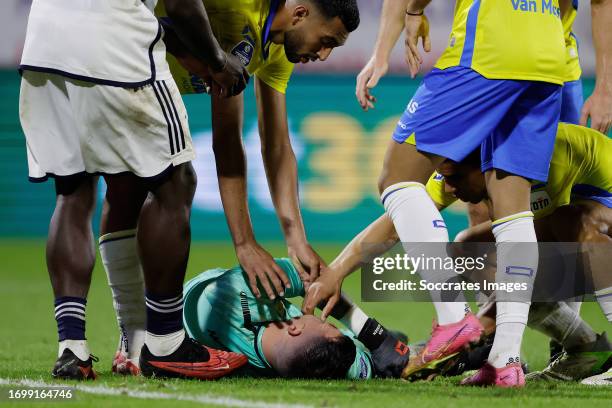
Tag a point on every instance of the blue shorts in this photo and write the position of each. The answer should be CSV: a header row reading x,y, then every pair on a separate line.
x,y
587,192
456,110
571,102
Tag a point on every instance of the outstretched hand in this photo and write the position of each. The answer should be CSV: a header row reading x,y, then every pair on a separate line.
x,y
325,290
367,79
307,262
416,27
261,268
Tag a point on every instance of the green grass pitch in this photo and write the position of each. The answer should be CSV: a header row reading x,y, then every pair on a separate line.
x,y
28,347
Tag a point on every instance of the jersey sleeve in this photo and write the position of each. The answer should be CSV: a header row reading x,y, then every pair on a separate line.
x,y
435,189
277,71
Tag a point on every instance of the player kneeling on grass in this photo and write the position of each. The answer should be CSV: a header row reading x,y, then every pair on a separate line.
x,y
575,205
221,310
579,181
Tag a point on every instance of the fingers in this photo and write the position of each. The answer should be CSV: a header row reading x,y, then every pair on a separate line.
x,y
241,84
597,124
300,269
410,58
264,280
584,115
373,81
331,303
282,276
427,43
361,90
310,300
314,270
416,59
253,284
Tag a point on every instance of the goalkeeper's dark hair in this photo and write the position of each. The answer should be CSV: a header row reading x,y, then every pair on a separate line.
x,y
346,10
328,358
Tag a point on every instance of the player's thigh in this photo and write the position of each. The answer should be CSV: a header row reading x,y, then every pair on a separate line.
x,y
580,221
597,216
508,192
478,213
404,163
142,131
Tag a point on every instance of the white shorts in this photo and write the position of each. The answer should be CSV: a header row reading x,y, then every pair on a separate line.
x,y
75,127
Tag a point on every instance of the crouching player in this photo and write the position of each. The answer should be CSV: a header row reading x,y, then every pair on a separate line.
x,y
580,182
575,205
221,310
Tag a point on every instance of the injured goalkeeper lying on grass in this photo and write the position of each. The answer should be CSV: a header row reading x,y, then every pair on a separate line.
x,y
221,311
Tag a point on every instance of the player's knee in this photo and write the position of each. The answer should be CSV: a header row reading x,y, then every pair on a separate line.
x,y
76,194
382,182
463,236
574,223
190,181
177,191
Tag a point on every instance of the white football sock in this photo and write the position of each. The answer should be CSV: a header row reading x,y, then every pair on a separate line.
x,y
416,219
164,344
604,298
575,305
119,254
561,323
354,319
517,262
78,347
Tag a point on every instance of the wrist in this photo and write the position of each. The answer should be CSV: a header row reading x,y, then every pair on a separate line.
x,y
380,58
414,13
294,234
219,61
372,334
244,243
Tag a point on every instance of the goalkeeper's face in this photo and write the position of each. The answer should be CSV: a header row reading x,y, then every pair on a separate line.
x,y
295,334
463,180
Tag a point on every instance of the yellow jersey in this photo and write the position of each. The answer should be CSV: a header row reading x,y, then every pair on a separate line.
x,y
572,62
242,27
508,39
580,168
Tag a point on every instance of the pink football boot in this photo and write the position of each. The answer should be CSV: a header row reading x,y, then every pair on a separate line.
x,y
510,376
445,342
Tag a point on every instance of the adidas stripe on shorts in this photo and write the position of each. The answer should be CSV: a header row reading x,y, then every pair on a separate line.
x,y
73,127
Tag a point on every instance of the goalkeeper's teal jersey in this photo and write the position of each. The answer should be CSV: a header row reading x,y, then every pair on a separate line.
x,y
221,311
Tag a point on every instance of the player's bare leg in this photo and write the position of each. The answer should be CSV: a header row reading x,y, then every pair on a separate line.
x,y
124,198
590,223
513,223
416,219
164,237
70,261
164,233
478,213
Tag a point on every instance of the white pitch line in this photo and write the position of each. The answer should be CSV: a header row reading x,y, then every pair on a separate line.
x,y
126,392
